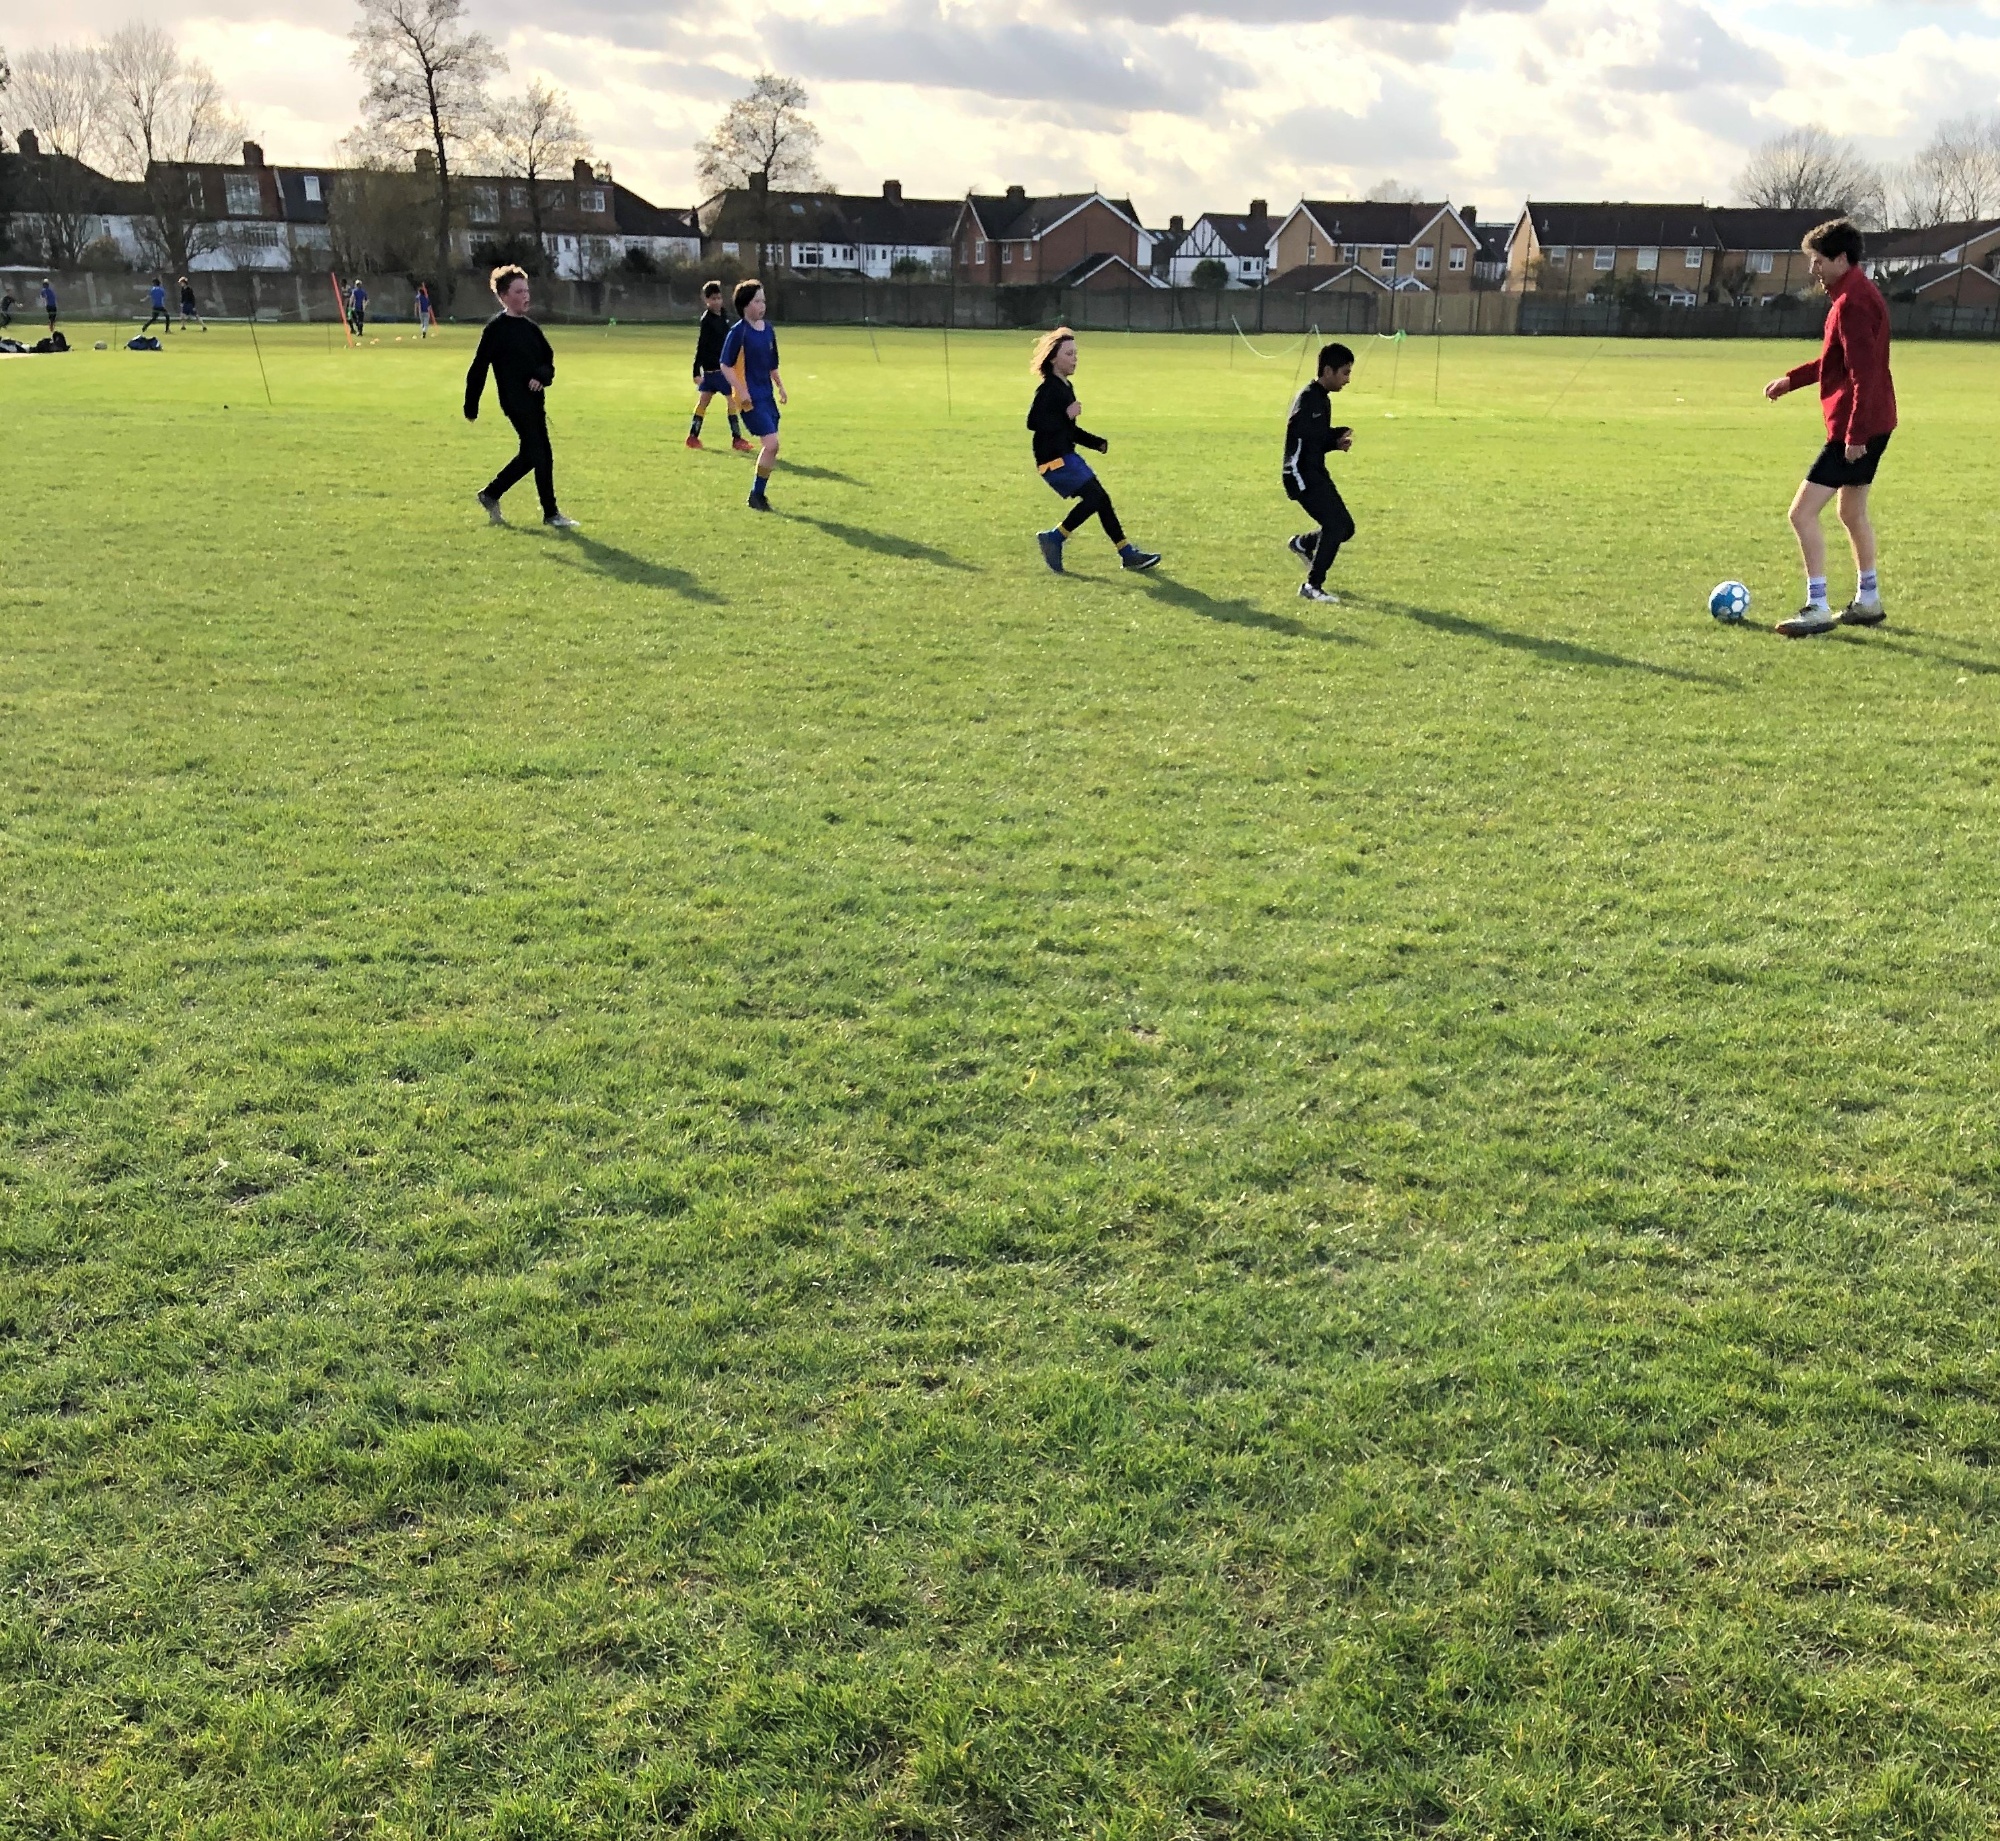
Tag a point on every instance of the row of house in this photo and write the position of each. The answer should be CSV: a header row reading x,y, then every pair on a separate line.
x,y
256,215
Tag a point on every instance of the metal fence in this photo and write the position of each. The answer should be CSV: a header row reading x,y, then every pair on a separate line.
x,y
1797,319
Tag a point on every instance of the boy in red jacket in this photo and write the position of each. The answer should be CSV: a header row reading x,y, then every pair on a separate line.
x,y
1858,398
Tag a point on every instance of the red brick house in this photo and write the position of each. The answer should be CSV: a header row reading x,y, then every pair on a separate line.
x,y
1078,239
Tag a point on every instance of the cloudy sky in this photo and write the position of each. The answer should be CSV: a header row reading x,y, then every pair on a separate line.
x,y
1486,101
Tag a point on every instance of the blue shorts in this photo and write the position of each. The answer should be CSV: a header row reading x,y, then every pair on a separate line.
x,y
714,383
1068,476
761,419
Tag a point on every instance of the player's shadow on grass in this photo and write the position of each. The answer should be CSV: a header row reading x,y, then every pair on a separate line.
x,y
1556,651
884,543
1894,642
1240,613
639,571
805,472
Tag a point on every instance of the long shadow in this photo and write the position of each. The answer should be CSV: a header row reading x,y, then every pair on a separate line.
x,y
805,472
1241,613
883,543
1889,642
623,566
1555,651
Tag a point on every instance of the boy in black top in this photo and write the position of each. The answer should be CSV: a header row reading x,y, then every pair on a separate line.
x,y
513,349
1052,421
1309,437
189,310
709,378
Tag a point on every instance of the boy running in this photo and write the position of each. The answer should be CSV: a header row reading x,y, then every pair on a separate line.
x,y
7,305
156,304
1052,420
709,380
49,302
189,310
1309,437
523,367
1857,397
750,356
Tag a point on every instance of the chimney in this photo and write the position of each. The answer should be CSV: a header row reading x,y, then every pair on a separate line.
x,y
581,172
1017,193
426,164
253,155
1470,213
892,190
29,143
1260,207
760,185
1176,223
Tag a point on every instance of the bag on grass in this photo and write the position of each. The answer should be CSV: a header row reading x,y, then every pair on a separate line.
x,y
139,344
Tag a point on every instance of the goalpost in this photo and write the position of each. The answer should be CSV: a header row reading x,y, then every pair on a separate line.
x,y
340,307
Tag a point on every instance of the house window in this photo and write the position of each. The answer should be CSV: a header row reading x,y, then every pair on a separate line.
x,y
590,199
1006,252
1458,260
1691,258
1558,252
1649,261
1604,258
729,249
484,205
311,183
242,193
1388,258
559,198
1426,258
517,198
1761,261
1346,253
195,200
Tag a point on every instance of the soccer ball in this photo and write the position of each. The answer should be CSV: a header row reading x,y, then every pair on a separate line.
x,y
1729,601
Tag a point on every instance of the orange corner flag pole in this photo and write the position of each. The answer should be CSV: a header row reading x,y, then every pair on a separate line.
x,y
340,307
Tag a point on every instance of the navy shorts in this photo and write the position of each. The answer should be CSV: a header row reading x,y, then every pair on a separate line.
x,y
761,419
1068,476
714,383
1835,470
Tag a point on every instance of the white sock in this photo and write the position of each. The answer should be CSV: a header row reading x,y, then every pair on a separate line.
x,y
1816,590
1870,588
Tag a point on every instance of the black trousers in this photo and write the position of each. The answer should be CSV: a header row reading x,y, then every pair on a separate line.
x,y
1322,503
165,318
1094,502
531,423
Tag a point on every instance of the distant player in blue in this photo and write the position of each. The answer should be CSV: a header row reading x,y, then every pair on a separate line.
x,y
156,300
426,314
357,308
49,302
750,356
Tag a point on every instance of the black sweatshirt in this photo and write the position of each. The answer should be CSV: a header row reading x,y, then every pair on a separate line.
x,y
513,349
1056,434
708,341
1309,437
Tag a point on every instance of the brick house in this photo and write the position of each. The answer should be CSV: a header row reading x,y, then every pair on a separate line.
x,y
1403,247
1076,239
1762,252
831,232
1973,243
1575,250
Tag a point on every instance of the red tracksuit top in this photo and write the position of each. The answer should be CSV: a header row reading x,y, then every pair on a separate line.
x,y
1856,393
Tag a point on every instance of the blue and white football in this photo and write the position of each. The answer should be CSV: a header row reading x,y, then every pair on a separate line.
x,y
1729,601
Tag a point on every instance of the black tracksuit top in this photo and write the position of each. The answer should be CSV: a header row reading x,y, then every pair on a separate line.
x,y
708,341
1050,423
1309,437
514,350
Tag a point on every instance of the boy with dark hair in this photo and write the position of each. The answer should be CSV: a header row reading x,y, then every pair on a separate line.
x,y
523,367
49,302
1857,398
357,307
1052,420
189,310
426,313
709,380
156,305
750,356
1310,436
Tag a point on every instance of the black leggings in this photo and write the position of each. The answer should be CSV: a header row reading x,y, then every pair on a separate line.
x,y
165,318
1322,503
1094,502
531,423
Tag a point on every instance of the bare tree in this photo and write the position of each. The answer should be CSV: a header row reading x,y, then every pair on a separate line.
x,y
1393,192
60,93
427,73
536,135
1808,169
164,112
378,216
1955,176
765,134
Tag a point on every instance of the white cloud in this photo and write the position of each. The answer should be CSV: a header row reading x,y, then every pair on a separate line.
x,y
1185,104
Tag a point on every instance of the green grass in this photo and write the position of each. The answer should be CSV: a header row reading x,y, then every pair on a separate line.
x,y
785,1178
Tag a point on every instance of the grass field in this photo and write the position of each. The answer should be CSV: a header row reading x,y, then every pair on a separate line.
x,y
785,1178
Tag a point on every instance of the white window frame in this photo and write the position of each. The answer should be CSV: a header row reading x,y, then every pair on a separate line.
x,y
241,194
1387,260
310,181
590,199
1426,258
978,249
1603,260
1649,261
1006,252
1558,253
482,204
1691,258
1762,261
1456,261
